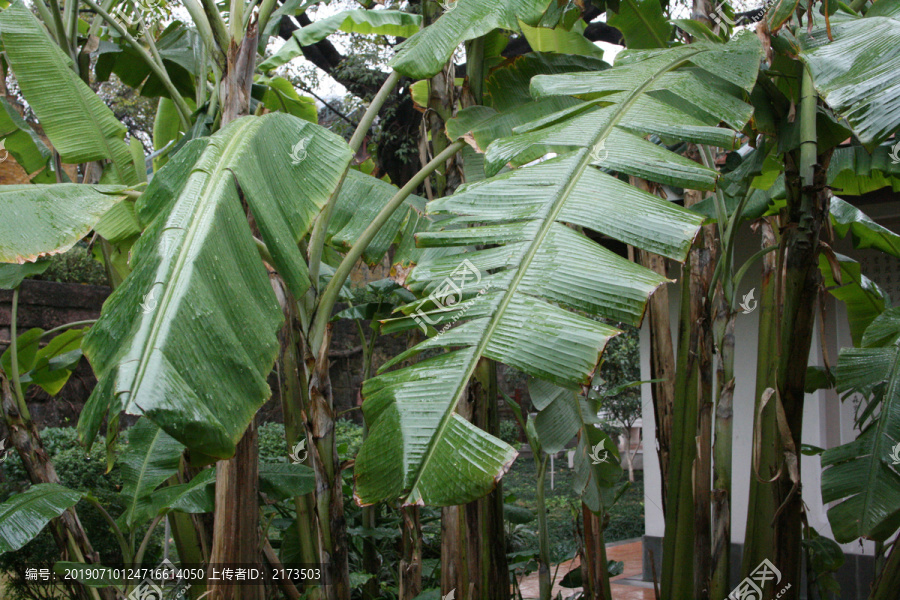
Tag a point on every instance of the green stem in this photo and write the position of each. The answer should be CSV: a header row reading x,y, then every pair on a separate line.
x,y
184,111
330,295
79,557
544,582
320,228
60,27
888,581
198,16
71,19
236,20
14,355
266,8
48,20
123,543
95,23
139,557
678,540
808,99
219,29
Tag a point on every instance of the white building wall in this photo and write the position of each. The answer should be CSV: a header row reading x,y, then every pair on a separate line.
x,y
827,421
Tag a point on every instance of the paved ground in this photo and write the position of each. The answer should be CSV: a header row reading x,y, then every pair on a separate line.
x,y
627,586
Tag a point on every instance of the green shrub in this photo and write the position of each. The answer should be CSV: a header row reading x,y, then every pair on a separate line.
x,y
349,433
509,432
75,266
272,446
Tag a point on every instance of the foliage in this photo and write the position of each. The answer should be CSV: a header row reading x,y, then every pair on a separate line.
x,y
77,470
77,265
626,517
510,432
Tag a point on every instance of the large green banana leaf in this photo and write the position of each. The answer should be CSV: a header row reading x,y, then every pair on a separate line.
x,y
190,336
24,515
425,54
858,74
863,476
521,300
40,220
81,127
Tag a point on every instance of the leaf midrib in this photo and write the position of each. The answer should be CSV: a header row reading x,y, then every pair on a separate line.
x,y
204,203
549,220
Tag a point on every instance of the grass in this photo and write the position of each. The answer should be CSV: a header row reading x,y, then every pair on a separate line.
x,y
564,508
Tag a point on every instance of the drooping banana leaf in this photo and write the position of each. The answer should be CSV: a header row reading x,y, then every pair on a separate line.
x,y
190,336
181,51
854,171
425,54
46,219
80,126
858,74
351,217
862,297
383,22
515,301
863,475
562,415
24,515
866,233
